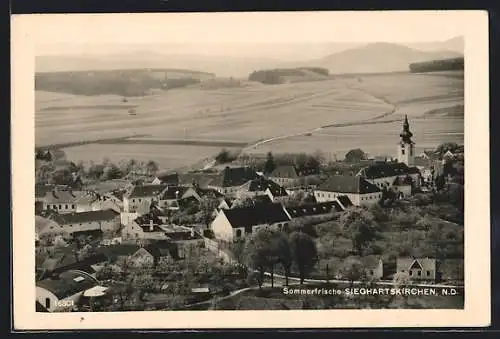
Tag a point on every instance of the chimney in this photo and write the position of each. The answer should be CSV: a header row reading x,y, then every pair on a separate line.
x,y
151,225
54,193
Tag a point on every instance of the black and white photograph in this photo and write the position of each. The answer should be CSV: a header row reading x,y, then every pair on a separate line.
x,y
234,170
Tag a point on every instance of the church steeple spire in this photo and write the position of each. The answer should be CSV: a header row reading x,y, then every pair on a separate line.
x,y
406,134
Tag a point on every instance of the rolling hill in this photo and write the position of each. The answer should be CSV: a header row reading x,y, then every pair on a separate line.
x,y
377,58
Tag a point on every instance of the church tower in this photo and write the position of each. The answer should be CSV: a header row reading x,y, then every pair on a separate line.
x,y
406,147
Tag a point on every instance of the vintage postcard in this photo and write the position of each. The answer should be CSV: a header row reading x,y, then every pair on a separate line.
x,y
175,170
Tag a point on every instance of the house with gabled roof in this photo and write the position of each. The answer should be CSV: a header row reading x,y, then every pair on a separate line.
x,y
286,175
229,180
239,222
153,254
66,200
166,178
107,221
143,229
258,186
62,293
139,193
383,175
420,269
359,191
277,193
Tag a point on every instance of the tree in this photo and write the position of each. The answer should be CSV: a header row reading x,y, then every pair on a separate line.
x,y
95,171
353,270
445,147
361,227
440,182
224,156
304,253
244,201
262,252
111,171
207,206
270,165
355,155
62,176
151,167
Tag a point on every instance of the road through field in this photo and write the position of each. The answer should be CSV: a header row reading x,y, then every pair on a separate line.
x,y
372,120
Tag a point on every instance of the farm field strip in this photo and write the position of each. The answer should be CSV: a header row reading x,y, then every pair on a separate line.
x,y
258,112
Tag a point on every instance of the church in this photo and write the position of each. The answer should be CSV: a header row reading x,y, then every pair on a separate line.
x,y
401,176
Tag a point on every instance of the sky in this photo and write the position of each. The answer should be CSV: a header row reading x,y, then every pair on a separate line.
x,y
235,33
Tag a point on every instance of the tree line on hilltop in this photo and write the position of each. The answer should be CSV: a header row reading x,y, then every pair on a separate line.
x,y
438,65
124,83
276,76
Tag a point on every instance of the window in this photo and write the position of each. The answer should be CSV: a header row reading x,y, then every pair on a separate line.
x,y
47,303
410,272
66,207
140,200
371,272
428,273
403,151
73,206
60,207
419,273
133,200
238,233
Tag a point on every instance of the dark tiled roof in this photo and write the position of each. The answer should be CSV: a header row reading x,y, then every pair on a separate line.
x,y
413,170
348,184
66,285
314,209
406,263
262,199
168,178
345,201
114,251
82,265
89,216
162,250
260,184
42,190
59,196
256,215
287,171
234,176
383,170
173,192
208,192
146,190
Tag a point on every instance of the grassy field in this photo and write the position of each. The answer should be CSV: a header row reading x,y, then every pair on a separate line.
x,y
293,112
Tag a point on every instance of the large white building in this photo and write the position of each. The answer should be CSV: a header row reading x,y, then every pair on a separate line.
x,y
360,191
